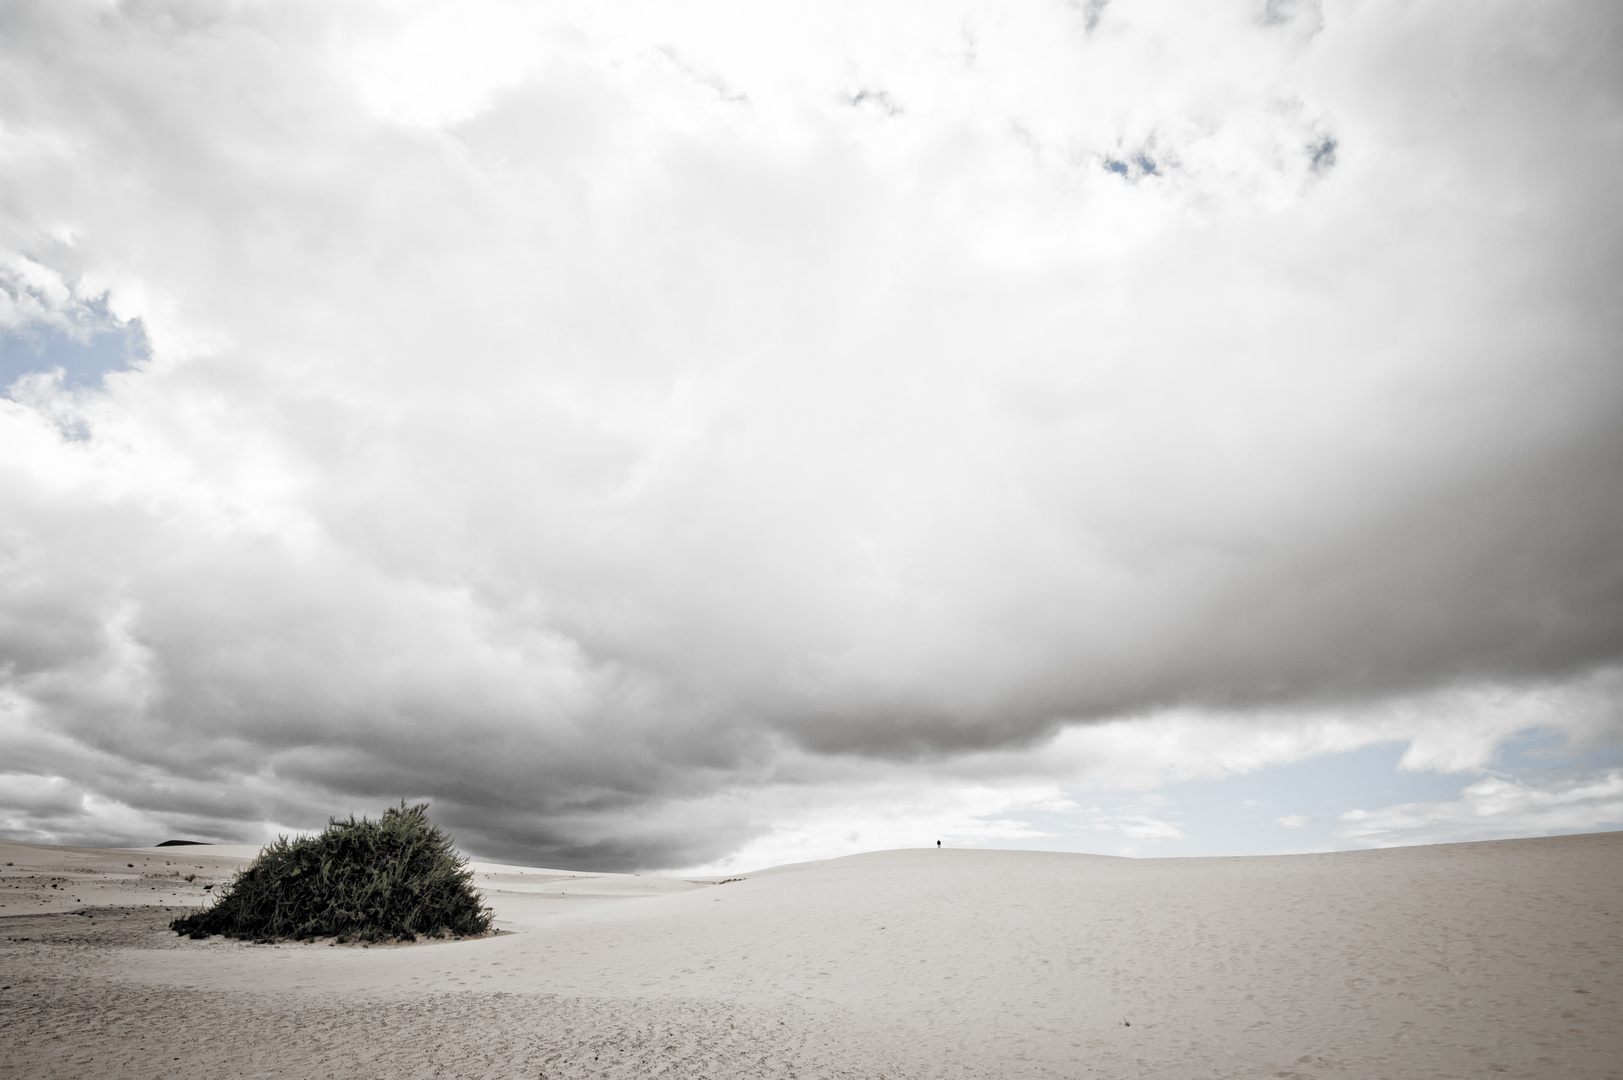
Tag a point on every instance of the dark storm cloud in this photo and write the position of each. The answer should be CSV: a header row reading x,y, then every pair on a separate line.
x,y
624,464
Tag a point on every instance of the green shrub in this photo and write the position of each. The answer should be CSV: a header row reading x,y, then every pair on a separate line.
x,y
397,877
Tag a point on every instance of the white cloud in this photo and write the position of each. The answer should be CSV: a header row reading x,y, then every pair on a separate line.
x,y
1140,827
1296,821
1496,807
1452,729
834,820
32,295
579,416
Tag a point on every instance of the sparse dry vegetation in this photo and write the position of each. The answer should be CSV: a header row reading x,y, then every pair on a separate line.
x,y
397,878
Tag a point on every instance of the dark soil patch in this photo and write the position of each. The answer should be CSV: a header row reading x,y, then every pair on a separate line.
x,y
111,927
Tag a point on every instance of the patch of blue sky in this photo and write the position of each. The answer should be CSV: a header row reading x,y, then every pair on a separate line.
x,y
1322,155
84,358
1295,808
1550,754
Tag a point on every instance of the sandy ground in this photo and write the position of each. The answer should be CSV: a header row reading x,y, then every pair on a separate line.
x,y
1492,959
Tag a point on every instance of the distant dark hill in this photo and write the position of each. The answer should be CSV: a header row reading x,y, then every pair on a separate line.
x,y
185,843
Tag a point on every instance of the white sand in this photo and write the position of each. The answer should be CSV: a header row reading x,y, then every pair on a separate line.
x,y
1501,958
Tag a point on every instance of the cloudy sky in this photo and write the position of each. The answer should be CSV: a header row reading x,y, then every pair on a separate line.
x,y
680,435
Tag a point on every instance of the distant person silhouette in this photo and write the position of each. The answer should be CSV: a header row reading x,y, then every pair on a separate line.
x,y
938,843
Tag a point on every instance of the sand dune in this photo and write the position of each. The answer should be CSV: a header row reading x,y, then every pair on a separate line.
x,y
1501,958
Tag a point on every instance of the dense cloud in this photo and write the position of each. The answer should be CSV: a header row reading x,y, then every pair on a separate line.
x,y
621,428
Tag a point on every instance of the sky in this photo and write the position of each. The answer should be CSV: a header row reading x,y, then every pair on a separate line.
x,y
697,436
